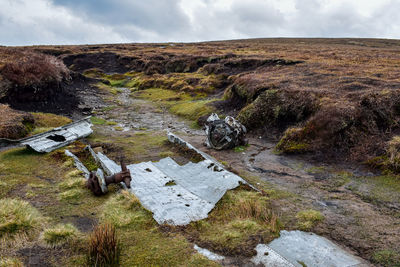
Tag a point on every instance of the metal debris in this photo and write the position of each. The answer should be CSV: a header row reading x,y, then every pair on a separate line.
x,y
268,257
78,164
297,248
97,183
224,134
177,195
55,138
208,254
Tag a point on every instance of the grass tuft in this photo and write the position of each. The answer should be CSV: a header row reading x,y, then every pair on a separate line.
x,y
240,220
71,195
17,216
125,210
73,183
104,247
307,219
59,234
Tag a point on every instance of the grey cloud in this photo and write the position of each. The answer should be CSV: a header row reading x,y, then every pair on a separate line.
x,y
106,21
162,17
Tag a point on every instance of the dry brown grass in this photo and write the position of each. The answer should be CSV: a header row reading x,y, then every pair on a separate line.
x,y
104,247
344,93
14,124
27,76
29,68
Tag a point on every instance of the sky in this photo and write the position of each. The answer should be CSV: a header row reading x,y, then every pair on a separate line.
x,y
29,22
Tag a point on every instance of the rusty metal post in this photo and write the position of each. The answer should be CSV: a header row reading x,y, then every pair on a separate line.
x,y
97,183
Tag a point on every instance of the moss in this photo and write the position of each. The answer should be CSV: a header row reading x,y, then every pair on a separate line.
x,y
165,154
98,121
381,189
48,120
118,128
59,234
94,73
307,219
240,148
170,183
293,142
111,123
193,110
109,108
107,89
387,258
159,94
17,216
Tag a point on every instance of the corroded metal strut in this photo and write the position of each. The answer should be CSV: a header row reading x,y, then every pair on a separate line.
x,y
97,183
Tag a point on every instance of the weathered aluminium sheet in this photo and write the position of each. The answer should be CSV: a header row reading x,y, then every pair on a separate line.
x,y
175,194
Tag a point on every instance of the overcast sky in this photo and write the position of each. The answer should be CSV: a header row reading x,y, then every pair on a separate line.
x,y
27,22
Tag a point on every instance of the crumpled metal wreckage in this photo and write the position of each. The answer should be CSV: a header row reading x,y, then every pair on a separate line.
x,y
224,134
55,138
175,194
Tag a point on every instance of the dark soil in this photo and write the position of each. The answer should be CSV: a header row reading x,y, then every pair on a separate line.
x,y
38,256
83,224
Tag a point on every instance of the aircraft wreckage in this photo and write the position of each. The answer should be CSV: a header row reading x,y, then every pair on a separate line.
x,y
175,194
55,138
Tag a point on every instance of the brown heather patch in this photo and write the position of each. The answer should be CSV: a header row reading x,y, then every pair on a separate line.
x,y
343,93
14,124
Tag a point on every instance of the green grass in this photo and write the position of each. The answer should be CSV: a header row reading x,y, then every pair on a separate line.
x,y
17,216
192,110
237,218
59,234
141,236
307,219
49,120
101,121
240,148
179,103
71,183
387,258
108,89
158,94
138,147
72,195
46,121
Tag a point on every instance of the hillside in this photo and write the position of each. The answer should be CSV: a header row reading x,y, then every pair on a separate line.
x,y
322,117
